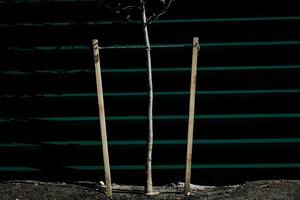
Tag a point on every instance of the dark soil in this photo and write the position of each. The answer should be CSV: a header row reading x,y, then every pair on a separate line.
x,y
33,190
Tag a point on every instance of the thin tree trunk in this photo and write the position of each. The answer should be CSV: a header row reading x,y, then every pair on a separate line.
x,y
149,187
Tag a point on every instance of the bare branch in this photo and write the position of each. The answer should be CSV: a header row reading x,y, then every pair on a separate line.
x,y
155,16
153,7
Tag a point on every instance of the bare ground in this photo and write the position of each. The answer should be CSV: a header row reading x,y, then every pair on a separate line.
x,y
34,190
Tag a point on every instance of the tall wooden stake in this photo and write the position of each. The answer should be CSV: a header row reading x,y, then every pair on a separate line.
x,y
149,185
102,118
191,117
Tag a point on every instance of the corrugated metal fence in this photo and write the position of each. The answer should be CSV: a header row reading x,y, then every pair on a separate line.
x,y
247,104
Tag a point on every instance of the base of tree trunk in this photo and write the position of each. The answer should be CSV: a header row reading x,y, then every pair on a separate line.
x,y
152,193
188,194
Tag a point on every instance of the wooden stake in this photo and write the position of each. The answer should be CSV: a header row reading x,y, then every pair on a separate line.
x,y
102,118
196,48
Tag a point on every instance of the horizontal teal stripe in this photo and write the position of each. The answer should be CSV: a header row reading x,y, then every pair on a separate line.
x,y
249,19
18,169
248,91
236,44
238,68
15,145
160,21
59,72
173,93
139,46
156,142
177,142
161,167
138,70
176,21
163,117
195,166
220,68
217,44
167,93
172,117
41,2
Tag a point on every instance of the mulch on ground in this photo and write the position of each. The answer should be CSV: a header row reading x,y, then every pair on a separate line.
x,y
34,190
